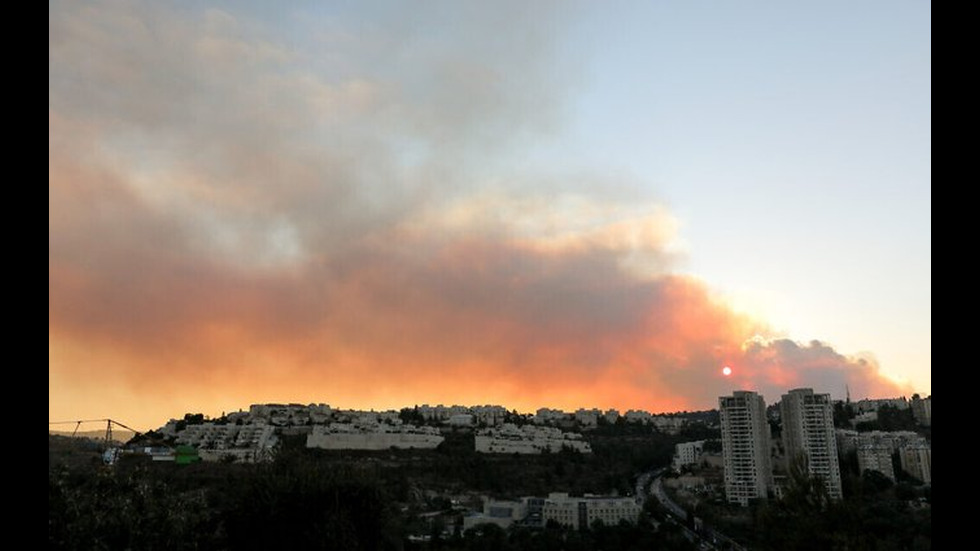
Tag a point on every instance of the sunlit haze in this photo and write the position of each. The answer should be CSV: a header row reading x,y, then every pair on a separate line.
x,y
531,204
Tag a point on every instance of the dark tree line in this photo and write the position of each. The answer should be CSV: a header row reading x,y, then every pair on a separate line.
x,y
294,502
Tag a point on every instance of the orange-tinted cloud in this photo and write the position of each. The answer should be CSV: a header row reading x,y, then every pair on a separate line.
x,y
228,226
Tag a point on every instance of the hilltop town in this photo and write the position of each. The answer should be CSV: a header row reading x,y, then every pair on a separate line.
x,y
251,435
457,470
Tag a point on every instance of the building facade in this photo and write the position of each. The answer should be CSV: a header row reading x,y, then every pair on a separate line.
x,y
917,461
500,513
529,439
876,458
745,442
581,512
808,435
687,453
215,442
922,410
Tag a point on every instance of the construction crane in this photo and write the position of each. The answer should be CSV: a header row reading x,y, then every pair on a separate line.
x,y
108,430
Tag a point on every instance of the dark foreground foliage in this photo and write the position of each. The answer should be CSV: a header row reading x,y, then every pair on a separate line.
x,y
624,537
319,499
874,515
292,503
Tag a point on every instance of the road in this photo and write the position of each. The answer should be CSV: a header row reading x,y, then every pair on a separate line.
x,y
641,483
710,538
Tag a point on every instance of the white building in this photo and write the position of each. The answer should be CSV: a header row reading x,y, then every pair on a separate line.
x,y
461,420
638,416
587,418
922,410
581,512
917,461
501,513
808,435
528,439
390,417
868,404
851,440
547,416
243,442
489,415
745,442
320,414
381,436
687,453
285,415
441,413
876,458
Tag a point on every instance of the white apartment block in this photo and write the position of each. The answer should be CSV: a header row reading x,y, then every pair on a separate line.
x,y
529,439
917,461
687,453
922,410
808,432
547,416
461,420
745,442
587,418
850,440
441,412
638,416
380,436
581,512
283,415
244,442
489,415
876,458
867,404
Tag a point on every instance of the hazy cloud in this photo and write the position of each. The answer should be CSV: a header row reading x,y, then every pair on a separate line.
x,y
288,220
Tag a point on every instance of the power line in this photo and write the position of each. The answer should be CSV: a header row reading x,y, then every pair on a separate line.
x,y
82,421
108,427
106,420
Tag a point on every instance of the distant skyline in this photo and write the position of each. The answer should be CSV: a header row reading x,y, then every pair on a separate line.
x,y
548,204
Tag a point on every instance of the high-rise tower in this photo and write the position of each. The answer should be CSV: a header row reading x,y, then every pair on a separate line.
x,y
808,435
745,445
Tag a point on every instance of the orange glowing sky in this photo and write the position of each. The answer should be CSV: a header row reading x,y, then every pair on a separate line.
x,y
233,220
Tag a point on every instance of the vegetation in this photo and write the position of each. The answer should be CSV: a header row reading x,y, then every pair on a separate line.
x,y
330,499
890,418
875,514
415,499
624,537
294,502
843,413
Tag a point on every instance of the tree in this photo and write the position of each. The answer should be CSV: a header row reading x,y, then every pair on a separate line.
x,y
843,413
890,418
804,493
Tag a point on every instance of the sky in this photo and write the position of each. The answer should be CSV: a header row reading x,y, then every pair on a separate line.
x,y
534,204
